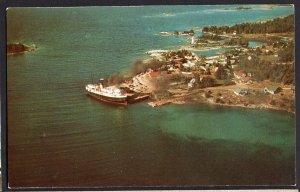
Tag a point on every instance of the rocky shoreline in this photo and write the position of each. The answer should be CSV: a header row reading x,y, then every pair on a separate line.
x,y
183,101
223,96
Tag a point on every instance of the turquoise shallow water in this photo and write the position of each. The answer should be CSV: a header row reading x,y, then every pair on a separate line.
x,y
57,136
255,44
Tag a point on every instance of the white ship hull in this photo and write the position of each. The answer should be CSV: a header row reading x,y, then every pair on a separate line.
x,y
112,98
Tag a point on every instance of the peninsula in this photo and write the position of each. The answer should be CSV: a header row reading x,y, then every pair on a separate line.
x,y
261,76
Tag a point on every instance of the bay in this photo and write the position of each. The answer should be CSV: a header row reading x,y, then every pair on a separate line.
x,y
59,137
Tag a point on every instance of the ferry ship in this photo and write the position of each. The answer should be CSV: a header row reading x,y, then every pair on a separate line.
x,y
110,94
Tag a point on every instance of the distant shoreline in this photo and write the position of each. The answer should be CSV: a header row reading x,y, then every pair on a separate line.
x,y
191,48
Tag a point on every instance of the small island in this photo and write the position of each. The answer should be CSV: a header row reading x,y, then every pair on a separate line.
x,y
238,8
178,33
19,48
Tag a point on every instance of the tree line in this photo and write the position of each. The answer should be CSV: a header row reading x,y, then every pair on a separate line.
x,y
277,25
238,41
206,37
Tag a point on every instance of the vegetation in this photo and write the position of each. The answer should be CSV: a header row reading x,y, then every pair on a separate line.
x,y
263,70
238,41
277,25
179,53
287,53
206,81
238,8
243,8
234,52
190,32
280,44
206,37
221,73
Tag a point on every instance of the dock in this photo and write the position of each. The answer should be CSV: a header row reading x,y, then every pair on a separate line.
x,y
137,97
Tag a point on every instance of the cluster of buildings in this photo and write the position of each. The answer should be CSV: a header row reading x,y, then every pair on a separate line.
x,y
187,63
242,77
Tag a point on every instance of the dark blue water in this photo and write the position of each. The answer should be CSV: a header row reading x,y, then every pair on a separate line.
x,y
57,136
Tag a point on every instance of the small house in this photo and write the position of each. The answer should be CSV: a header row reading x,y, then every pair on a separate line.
x,y
188,64
154,74
239,74
233,66
186,73
246,80
210,62
203,68
240,92
272,90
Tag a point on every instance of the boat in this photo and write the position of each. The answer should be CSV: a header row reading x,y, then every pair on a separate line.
x,y
111,94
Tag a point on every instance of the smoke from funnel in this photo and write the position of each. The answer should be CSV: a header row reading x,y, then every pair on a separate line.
x,y
140,66
162,83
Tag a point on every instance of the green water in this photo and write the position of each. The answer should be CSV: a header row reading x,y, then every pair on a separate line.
x,y
57,136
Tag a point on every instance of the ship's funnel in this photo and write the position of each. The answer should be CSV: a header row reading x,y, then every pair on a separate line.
x,y
101,83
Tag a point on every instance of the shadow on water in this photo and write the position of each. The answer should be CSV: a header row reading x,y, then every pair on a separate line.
x,y
200,161
57,137
170,161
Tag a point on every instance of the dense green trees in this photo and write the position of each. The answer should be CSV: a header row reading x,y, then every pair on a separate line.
x,y
180,54
190,32
263,70
287,54
206,81
238,41
289,75
210,37
221,73
277,25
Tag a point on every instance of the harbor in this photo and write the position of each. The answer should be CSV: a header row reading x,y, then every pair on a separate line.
x,y
224,75
58,136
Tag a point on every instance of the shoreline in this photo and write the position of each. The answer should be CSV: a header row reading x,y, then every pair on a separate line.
x,y
182,101
218,80
225,96
190,48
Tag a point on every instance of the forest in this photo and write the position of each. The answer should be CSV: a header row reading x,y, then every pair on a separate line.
x,y
277,25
